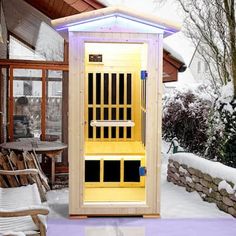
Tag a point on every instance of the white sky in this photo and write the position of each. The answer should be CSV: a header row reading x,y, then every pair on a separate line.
x,y
165,9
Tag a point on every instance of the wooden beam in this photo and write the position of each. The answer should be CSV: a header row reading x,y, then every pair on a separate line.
x,y
21,40
171,70
176,63
53,9
95,4
31,64
77,4
66,52
36,79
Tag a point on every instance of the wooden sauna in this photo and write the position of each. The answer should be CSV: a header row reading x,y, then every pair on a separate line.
x,y
115,93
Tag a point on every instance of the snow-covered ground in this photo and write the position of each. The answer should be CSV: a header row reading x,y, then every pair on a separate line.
x,y
175,201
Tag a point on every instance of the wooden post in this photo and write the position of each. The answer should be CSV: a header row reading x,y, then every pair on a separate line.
x,y
11,106
1,106
43,106
65,98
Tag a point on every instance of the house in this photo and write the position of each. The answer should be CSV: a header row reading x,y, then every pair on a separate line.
x,y
199,67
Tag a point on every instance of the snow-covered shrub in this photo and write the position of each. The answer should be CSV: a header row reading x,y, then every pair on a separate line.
x,y
222,132
204,123
186,116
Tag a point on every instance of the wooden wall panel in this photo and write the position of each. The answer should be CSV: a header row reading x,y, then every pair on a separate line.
x,y
61,8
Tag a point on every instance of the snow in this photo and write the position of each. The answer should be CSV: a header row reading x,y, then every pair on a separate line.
x,y
215,169
224,185
173,52
176,202
227,92
181,169
13,233
226,96
189,180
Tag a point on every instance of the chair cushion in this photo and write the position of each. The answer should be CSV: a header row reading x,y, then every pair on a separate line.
x,y
17,198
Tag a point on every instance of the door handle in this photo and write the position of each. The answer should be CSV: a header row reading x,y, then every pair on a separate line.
x,y
142,171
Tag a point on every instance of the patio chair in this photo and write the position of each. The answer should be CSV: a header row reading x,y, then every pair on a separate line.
x,y
21,209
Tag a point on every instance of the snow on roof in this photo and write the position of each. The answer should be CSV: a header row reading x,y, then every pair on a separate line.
x,y
215,169
116,11
173,52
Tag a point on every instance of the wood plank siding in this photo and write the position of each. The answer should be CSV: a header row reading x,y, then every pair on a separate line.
x,y
60,8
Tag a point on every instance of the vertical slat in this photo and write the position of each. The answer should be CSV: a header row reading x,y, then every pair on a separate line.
x,y
125,104
117,102
132,103
89,96
110,104
102,104
11,105
94,104
43,105
98,104
106,102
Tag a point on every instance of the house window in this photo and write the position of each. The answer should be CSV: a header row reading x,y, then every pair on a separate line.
x,y
199,67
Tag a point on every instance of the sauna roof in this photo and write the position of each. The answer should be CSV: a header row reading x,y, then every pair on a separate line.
x,y
115,19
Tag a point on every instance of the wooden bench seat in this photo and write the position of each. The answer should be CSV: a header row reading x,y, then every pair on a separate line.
x,y
21,209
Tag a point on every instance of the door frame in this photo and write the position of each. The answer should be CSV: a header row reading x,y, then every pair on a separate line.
x,y
77,206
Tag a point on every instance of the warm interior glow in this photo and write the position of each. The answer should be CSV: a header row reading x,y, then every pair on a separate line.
x,y
113,154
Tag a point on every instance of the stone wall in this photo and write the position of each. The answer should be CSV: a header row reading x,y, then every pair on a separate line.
x,y
211,189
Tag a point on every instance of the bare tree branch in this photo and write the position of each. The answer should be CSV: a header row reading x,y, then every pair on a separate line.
x,y
212,22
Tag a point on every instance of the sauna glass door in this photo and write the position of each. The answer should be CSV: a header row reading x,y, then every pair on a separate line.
x,y
114,120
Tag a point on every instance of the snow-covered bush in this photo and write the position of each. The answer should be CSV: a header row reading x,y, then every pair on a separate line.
x,y
222,132
186,116
204,123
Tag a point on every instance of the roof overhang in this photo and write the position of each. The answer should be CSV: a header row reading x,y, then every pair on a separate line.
x,y
118,18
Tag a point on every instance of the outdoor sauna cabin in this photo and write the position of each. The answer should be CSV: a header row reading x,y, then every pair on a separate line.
x,y
115,93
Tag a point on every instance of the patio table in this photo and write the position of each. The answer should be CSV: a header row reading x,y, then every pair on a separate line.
x,y
50,149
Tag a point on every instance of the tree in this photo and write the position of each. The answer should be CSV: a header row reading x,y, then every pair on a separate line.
x,y
211,26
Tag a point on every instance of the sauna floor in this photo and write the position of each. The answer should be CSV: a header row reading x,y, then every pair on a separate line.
x,y
114,148
114,194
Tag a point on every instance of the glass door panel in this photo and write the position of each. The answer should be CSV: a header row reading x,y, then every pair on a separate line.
x,y
54,105
27,97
